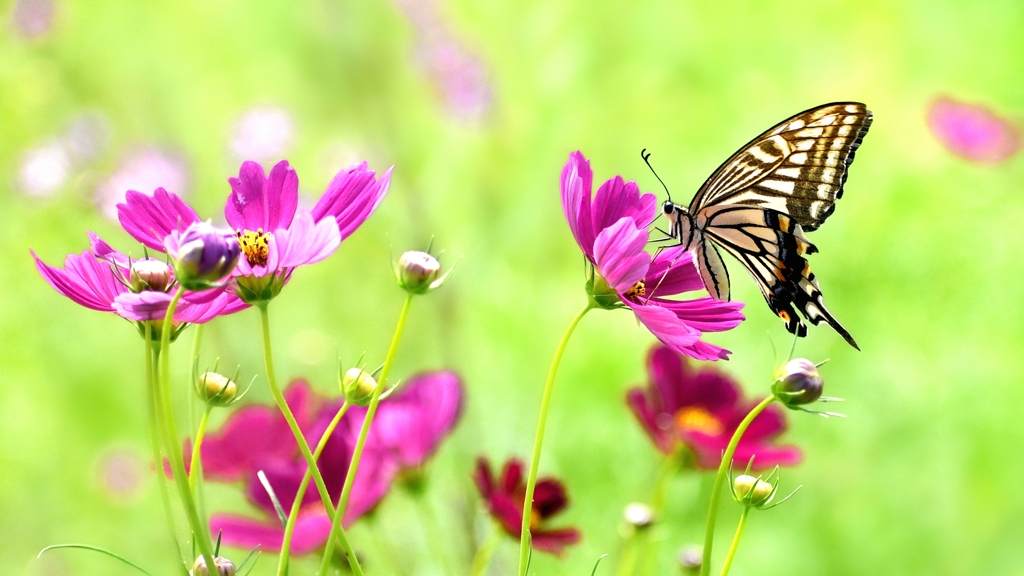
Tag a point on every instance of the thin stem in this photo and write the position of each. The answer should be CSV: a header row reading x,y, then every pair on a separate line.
x,y
716,491
482,558
199,534
293,515
644,545
357,453
268,359
434,533
154,430
735,541
196,465
531,480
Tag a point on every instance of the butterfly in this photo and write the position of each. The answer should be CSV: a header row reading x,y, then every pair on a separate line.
x,y
759,203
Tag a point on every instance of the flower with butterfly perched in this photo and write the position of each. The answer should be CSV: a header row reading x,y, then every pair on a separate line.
x,y
699,410
611,230
275,235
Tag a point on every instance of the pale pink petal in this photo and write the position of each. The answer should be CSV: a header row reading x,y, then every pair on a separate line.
x,y
619,254
577,182
305,242
973,131
665,326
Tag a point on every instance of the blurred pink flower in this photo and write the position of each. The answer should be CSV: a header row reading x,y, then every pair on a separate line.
x,y
33,18
263,133
504,497
973,131
44,169
611,229
144,169
699,410
409,428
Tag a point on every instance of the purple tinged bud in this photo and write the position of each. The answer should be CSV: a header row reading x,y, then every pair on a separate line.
x,y
418,271
150,275
358,386
215,389
203,255
798,383
224,567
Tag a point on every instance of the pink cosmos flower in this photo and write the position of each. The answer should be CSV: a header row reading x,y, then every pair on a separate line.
x,y
611,229
504,497
102,279
699,410
409,428
275,235
973,131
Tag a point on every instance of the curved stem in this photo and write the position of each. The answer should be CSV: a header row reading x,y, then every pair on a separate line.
x,y
357,453
735,541
531,480
195,468
318,479
293,515
482,558
154,432
716,491
199,534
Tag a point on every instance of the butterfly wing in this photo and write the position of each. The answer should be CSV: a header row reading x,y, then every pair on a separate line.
x,y
797,167
772,246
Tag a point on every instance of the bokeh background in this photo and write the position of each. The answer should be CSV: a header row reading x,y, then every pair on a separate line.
x,y
477,105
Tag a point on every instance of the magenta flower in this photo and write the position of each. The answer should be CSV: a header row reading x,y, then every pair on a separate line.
x,y
504,497
973,131
275,235
611,229
698,410
410,426
103,279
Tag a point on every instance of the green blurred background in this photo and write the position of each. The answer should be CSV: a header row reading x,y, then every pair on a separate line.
x,y
477,105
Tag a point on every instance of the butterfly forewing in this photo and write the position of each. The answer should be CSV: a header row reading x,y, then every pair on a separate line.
x,y
797,168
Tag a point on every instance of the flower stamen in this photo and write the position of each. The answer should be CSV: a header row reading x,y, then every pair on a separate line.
x,y
638,289
255,246
697,419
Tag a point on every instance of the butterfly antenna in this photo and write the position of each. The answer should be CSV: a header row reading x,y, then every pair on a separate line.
x,y
647,160
792,348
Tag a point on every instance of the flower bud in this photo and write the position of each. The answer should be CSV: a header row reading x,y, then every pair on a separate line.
x,y
215,389
150,275
203,255
799,383
639,515
358,386
752,491
418,271
224,566
690,559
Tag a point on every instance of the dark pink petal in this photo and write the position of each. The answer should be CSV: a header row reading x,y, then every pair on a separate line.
x,y
682,275
508,512
415,420
257,202
671,379
150,219
665,326
483,478
708,450
311,532
701,350
766,426
554,541
304,242
577,183
617,199
549,497
705,314
86,280
973,131
647,415
512,476
619,254
714,391
351,197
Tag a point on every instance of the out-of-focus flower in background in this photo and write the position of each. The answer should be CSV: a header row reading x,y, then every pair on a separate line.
x,y
45,169
144,169
87,137
504,495
698,411
120,473
973,131
262,134
33,18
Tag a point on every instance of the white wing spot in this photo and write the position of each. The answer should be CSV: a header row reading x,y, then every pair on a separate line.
x,y
845,130
798,158
797,124
825,191
838,144
853,109
788,172
804,145
825,120
759,153
828,174
849,119
811,132
784,186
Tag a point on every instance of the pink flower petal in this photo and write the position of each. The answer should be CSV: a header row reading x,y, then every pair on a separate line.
x,y
973,131
311,532
577,182
619,254
258,202
150,219
665,326
351,197
305,242
415,420
617,199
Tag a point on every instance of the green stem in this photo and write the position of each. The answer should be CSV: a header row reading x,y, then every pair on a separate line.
x,y
199,534
641,545
482,558
318,479
531,480
716,491
357,453
154,430
434,533
293,515
196,465
735,541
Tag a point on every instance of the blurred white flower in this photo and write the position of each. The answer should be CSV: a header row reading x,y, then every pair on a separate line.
x,y
144,170
120,473
262,134
32,18
87,136
44,170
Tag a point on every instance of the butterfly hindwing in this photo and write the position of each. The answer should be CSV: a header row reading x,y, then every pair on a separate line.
x,y
712,270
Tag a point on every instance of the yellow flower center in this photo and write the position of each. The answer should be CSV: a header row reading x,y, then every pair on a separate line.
x,y
638,289
697,419
534,520
254,246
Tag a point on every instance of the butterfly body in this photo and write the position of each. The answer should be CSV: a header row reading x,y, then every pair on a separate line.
x,y
758,205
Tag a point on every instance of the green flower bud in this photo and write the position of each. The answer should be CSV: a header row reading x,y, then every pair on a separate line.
x,y
798,383
150,275
358,386
639,515
752,491
418,271
215,389
224,566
